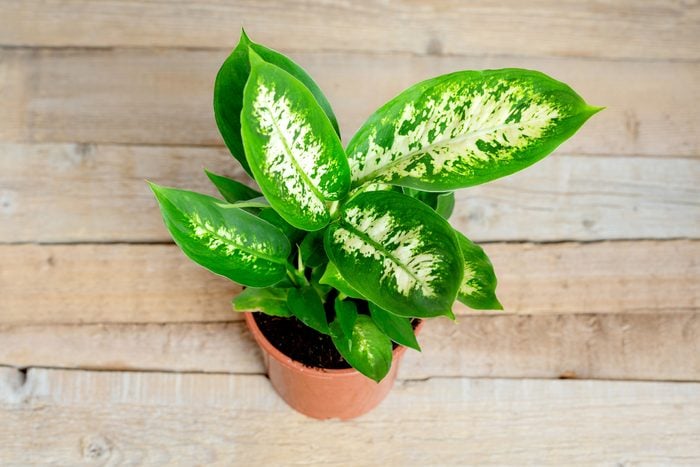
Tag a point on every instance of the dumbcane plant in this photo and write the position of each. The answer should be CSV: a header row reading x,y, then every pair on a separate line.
x,y
354,242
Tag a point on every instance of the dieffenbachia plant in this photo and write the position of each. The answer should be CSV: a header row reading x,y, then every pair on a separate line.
x,y
354,242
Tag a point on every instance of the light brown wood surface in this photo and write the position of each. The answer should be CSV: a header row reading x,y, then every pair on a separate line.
x,y
163,96
594,346
149,418
132,354
122,283
655,29
97,193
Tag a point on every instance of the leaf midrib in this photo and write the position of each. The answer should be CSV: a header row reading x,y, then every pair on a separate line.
x,y
367,239
305,177
424,149
242,247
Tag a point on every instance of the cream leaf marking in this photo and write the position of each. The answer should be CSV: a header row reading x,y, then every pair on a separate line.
x,y
469,284
478,286
451,131
369,234
231,243
292,153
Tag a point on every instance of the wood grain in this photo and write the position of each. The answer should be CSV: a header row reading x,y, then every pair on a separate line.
x,y
615,346
612,29
97,193
155,283
108,283
164,96
147,418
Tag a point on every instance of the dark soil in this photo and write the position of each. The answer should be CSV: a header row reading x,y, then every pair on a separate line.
x,y
301,343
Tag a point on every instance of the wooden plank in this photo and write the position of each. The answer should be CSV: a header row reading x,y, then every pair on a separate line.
x,y
615,346
70,417
613,29
108,283
164,96
156,283
70,193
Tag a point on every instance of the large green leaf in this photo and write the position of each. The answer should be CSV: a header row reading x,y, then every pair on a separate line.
x,y
397,328
228,92
466,128
223,238
398,253
296,156
269,300
367,349
478,289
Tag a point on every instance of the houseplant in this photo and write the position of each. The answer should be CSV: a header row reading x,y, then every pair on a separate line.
x,y
350,248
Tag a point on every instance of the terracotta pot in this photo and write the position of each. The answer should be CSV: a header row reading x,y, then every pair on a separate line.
x,y
322,393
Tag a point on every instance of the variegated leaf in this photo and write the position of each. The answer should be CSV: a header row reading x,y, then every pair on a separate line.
x,y
228,92
398,253
366,348
465,128
294,153
223,238
269,300
478,288
396,328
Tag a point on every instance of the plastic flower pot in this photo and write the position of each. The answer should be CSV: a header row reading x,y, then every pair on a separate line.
x,y
323,393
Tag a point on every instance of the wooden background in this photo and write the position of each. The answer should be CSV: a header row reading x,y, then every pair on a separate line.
x,y
114,348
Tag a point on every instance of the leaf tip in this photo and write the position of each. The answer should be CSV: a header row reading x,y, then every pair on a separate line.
x,y
155,188
593,109
211,175
244,37
497,305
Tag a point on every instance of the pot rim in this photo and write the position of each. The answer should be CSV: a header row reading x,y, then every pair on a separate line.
x,y
298,366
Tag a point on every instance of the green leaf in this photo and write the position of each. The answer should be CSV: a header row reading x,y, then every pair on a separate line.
x,y
307,306
311,249
322,289
478,289
294,153
367,349
466,128
445,204
229,85
398,253
442,203
224,239
331,276
397,328
291,232
232,190
271,301
346,314
252,204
